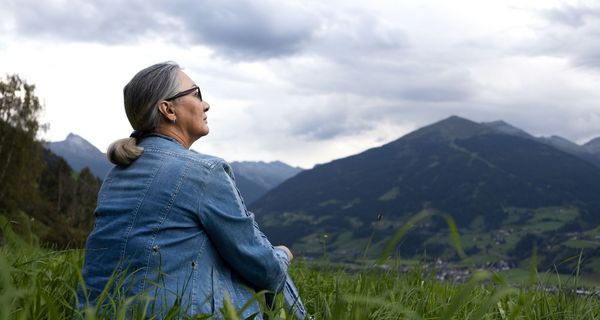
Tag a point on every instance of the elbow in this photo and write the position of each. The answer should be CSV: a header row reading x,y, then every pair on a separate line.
x,y
274,274
276,282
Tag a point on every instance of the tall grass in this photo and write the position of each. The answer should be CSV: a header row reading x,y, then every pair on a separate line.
x,y
37,283
375,294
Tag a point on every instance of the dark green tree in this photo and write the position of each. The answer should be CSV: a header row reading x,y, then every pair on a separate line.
x,y
20,154
38,190
70,202
82,221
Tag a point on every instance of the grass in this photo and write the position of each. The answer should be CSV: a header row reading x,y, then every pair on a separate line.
x,y
383,293
40,284
579,244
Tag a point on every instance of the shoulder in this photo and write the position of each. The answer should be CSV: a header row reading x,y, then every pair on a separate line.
x,y
178,155
212,162
217,166
212,165
200,161
169,148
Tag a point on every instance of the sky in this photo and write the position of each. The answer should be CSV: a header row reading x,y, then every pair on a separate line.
x,y
307,82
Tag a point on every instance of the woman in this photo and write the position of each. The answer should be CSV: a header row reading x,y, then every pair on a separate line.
x,y
172,219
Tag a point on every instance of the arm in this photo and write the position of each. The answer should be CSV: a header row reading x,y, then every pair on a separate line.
x,y
236,236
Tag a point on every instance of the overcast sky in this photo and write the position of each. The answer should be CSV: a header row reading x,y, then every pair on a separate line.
x,y
306,82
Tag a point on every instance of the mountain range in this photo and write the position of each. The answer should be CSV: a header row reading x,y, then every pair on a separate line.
x,y
487,176
253,178
589,151
504,188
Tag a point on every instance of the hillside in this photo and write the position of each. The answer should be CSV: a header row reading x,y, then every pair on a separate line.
x,y
255,178
484,177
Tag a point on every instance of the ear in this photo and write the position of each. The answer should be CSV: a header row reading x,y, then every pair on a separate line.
x,y
167,110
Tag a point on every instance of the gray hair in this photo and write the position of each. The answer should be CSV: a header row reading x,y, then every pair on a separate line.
x,y
141,96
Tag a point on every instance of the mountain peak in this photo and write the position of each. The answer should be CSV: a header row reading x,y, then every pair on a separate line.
x,y
456,118
80,153
593,146
77,142
595,141
72,136
455,122
559,138
453,127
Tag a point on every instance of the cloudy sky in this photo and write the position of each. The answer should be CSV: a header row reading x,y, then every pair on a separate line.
x,y
307,82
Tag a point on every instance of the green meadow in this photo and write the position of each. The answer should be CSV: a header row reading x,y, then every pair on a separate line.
x,y
37,283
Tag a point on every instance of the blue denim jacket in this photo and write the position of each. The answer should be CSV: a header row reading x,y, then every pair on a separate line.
x,y
175,222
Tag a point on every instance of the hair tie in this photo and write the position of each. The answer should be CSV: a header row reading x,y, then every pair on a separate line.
x,y
136,134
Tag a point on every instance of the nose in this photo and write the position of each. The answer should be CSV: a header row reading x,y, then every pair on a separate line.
x,y
206,106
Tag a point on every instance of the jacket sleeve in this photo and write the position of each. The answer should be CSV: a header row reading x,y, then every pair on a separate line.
x,y
235,234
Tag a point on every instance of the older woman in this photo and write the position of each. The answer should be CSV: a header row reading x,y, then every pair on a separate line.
x,y
172,219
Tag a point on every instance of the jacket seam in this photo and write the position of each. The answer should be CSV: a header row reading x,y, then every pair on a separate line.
x,y
195,275
134,218
209,163
165,213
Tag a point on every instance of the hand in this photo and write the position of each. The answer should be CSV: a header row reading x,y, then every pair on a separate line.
x,y
287,251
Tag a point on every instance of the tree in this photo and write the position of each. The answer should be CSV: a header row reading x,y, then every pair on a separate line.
x,y
38,187
87,194
70,200
20,154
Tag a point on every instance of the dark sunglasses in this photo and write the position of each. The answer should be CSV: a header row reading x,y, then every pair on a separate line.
x,y
186,92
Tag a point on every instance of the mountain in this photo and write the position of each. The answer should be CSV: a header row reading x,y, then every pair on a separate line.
x,y
485,178
585,152
254,179
504,127
570,147
593,146
79,153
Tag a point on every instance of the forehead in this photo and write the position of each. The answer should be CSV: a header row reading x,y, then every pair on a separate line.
x,y
184,80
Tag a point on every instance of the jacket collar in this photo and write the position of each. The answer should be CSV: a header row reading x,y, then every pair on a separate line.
x,y
161,140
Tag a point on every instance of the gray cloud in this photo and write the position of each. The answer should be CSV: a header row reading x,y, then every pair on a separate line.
x,y
358,53
335,73
104,21
234,29
327,126
571,32
570,15
246,30
396,78
351,35
361,71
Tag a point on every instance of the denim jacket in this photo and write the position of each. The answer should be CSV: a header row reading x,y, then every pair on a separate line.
x,y
175,222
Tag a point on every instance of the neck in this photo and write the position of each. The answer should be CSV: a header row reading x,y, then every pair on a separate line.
x,y
173,132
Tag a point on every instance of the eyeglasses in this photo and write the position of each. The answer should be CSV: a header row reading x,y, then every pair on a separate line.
x,y
186,92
